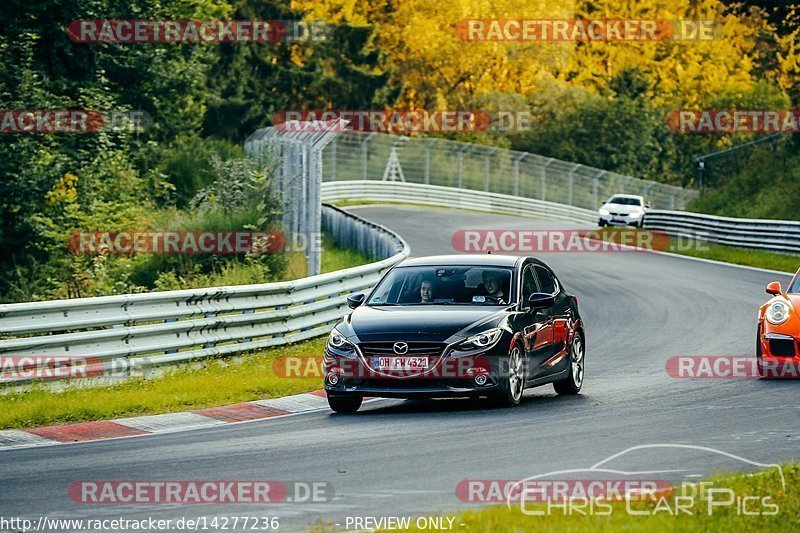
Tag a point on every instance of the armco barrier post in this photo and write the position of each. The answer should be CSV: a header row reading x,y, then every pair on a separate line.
x,y
517,161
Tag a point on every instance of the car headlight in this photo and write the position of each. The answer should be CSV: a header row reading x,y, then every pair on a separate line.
x,y
777,312
481,341
635,214
604,212
339,345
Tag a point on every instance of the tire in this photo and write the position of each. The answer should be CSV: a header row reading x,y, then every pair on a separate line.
x,y
574,381
514,382
344,404
601,223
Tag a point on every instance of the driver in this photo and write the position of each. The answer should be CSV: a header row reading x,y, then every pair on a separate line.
x,y
494,285
426,291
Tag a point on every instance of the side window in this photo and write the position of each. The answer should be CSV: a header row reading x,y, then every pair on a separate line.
x,y
528,285
546,281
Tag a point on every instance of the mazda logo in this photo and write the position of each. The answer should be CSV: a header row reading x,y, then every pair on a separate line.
x,y
400,348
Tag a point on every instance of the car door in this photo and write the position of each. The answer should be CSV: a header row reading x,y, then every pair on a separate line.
x,y
536,326
560,319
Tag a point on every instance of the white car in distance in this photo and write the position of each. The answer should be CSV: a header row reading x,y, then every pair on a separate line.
x,y
623,210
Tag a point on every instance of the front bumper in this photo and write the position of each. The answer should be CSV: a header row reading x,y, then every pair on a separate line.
x,y
448,377
618,220
779,354
408,390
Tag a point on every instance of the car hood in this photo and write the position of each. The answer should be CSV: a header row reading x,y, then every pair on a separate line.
x,y
430,323
624,209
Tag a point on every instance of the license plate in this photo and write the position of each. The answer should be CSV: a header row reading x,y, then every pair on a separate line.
x,y
400,363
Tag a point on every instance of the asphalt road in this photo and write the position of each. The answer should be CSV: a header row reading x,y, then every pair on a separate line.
x,y
406,458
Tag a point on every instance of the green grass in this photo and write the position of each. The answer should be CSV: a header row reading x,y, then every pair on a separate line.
x,y
217,382
335,258
763,484
259,269
766,188
744,256
718,252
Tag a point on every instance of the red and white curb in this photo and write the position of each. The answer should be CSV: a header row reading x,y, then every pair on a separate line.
x,y
169,422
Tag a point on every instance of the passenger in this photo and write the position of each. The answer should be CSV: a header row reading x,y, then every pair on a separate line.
x,y
426,292
494,285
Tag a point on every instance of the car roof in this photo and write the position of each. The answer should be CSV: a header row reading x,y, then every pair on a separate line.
x,y
627,196
463,260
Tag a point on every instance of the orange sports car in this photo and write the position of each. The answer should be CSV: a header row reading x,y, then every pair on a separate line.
x,y
778,335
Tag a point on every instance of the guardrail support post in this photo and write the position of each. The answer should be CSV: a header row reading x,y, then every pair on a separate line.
x,y
516,172
365,155
460,158
486,165
209,344
543,177
569,185
427,175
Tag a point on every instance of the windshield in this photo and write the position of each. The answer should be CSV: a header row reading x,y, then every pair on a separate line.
x,y
443,285
795,288
623,200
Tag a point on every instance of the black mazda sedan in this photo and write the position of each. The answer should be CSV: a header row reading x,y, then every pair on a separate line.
x,y
457,326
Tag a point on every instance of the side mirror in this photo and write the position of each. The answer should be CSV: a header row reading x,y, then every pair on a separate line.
x,y
774,288
647,205
355,299
540,300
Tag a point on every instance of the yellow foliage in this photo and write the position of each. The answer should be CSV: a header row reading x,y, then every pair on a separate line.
x,y
63,191
439,70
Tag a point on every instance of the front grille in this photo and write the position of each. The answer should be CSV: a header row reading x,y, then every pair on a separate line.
x,y
782,347
417,349
416,383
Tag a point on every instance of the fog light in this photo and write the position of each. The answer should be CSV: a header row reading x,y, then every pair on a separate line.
x,y
333,378
480,379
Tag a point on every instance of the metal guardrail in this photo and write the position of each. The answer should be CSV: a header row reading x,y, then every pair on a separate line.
x,y
773,235
388,191
133,332
431,161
